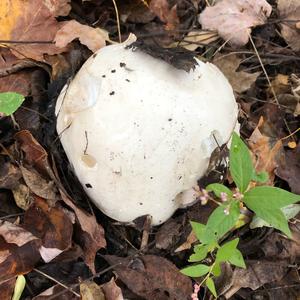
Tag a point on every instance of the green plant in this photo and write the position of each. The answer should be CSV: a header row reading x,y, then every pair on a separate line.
x,y
265,201
10,102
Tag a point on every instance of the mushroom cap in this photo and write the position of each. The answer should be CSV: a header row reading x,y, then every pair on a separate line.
x,y
139,133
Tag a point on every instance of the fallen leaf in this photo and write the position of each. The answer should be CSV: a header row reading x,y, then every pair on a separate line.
x,y
165,13
22,195
278,247
30,21
51,293
289,11
195,39
91,234
112,291
59,7
7,288
289,168
233,19
241,81
257,274
168,234
18,250
52,225
10,175
266,151
188,243
152,277
89,290
93,38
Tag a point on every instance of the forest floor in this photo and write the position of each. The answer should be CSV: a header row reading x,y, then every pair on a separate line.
x,y
49,230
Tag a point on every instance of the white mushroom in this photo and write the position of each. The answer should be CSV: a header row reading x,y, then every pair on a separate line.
x,y
139,133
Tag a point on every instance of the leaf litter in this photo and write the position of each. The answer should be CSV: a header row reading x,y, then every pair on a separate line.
x,y
56,231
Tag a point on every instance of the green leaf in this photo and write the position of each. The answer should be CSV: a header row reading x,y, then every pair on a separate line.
x,y
261,177
196,270
237,259
10,102
199,229
268,197
240,164
211,286
19,287
289,212
220,223
200,253
216,270
226,251
218,188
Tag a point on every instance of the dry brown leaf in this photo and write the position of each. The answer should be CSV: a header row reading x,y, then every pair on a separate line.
x,y
165,13
93,38
289,168
152,277
58,7
266,152
89,290
30,20
112,291
195,39
289,11
233,19
18,250
38,185
22,195
91,233
188,243
241,81
256,275
7,288
52,225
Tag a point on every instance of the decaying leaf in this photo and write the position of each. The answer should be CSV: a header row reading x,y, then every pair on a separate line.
x,y
241,81
38,185
52,225
289,11
289,168
93,38
233,19
256,275
30,21
89,290
266,151
91,235
277,246
165,13
112,291
59,7
19,250
7,288
195,39
152,277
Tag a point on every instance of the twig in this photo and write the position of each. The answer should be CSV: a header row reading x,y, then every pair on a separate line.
x,y
58,282
118,20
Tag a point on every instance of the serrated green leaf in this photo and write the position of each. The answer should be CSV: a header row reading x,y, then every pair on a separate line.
x,y
196,270
267,197
10,102
261,177
216,270
240,163
198,229
220,223
237,259
226,251
218,188
200,253
289,212
211,286
19,287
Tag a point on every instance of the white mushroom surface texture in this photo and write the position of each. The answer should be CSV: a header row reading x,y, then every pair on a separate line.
x,y
139,133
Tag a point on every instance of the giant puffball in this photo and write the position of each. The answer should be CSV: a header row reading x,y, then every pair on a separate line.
x,y
139,133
